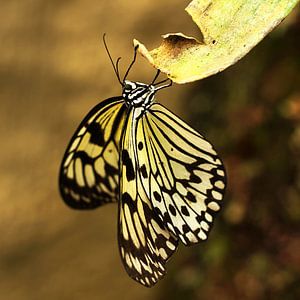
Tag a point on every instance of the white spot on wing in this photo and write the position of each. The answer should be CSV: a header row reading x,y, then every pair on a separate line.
x,y
139,228
68,159
213,206
163,253
74,144
89,175
208,217
204,225
79,172
128,261
220,184
220,172
216,195
202,235
170,245
131,228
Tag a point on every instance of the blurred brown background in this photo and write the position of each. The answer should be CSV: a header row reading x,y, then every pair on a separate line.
x,y
53,69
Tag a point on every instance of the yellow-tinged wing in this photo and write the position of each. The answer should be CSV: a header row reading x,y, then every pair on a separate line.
x,y
181,174
89,174
145,244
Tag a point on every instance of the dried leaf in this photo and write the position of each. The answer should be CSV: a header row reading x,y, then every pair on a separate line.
x,y
230,29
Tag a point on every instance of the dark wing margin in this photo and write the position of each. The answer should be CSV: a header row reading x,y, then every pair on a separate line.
x,y
89,173
144,242
182,174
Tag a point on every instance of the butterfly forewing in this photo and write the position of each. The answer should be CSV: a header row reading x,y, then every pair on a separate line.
x,y
145,244
181,174
89,174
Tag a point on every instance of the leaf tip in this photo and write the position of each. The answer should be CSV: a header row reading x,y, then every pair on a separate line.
x,y
143,51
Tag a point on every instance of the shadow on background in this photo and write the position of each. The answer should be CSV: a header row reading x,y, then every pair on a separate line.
x,y
53,70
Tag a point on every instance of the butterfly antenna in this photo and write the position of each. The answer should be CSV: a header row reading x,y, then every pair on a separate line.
x,y
133,61
115,67
118,71
156,76
163,86
163,81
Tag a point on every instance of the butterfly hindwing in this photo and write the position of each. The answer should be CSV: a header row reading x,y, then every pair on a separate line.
x,y
145,244
89,174
181,174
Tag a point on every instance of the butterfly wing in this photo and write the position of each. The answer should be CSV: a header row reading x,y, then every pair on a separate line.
x,y
181,174
89,174
145,244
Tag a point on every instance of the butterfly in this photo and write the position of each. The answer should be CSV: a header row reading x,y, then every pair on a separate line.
x,y
166,177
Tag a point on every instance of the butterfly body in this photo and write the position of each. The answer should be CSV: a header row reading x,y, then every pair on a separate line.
x,y
137,94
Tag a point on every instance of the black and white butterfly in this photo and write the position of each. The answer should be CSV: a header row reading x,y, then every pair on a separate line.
x,y
166,177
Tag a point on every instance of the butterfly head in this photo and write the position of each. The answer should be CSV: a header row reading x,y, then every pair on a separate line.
x,y
138,94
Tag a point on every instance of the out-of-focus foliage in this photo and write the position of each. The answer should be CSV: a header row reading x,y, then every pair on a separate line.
x,y
252,113
230,29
